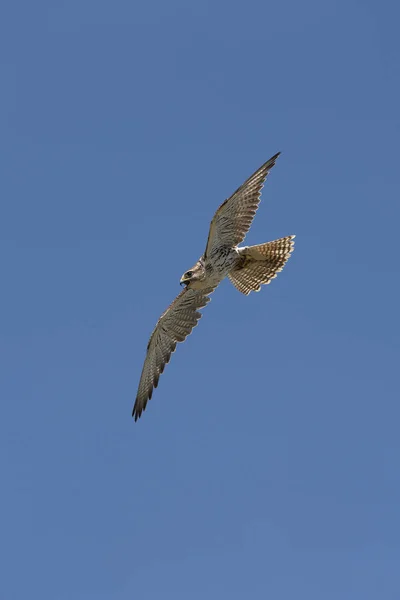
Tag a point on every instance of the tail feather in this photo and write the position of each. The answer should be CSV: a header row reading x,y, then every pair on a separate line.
x,y
261,264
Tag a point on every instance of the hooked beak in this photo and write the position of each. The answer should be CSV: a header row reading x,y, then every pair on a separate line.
x,y
184,281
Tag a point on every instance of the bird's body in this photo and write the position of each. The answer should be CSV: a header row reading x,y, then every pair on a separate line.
x,y
221,261
247,267
214,268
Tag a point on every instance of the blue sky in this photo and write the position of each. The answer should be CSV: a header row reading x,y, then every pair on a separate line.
x,y
267,462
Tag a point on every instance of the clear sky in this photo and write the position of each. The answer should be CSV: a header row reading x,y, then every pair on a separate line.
x,y
267,464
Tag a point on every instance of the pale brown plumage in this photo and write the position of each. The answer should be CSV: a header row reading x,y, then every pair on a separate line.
x,y
234,217
173,326
247,268
261,264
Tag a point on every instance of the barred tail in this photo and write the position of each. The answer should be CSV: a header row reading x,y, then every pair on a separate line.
x,y
261,264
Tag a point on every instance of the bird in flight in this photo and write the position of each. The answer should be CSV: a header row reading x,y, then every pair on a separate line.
x,y
247,267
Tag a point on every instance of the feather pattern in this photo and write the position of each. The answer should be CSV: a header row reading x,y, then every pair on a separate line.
x,y
174,326
260,264
234,217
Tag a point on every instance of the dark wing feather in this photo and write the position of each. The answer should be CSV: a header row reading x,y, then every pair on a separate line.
x,y
233,218
173,326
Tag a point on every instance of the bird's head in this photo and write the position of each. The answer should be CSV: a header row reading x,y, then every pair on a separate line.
x,y
194,274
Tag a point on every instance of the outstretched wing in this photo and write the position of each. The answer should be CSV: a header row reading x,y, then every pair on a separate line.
x,y
233,218
173,326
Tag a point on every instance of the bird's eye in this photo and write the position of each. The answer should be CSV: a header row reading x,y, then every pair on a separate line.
x,y
188,274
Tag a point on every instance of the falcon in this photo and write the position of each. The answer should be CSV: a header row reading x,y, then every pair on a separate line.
x,y
247,267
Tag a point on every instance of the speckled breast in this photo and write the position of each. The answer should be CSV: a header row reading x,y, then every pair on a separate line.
x,y
221,261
